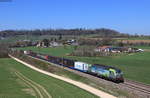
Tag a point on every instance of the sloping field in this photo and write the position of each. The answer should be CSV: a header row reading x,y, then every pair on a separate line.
x,y
18,81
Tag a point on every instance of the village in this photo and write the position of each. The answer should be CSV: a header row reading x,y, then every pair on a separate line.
x,y
86,50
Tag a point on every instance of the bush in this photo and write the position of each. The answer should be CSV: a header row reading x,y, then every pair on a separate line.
x,y
4,48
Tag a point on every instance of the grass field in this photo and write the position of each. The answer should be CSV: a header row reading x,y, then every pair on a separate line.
x,y
136,66
19,81
56,51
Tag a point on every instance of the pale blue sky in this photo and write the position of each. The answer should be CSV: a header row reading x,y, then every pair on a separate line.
x,y
127,16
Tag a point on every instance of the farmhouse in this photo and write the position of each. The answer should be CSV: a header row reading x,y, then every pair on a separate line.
x,y
55,44
72,42
40,44
117,49
103,49
49,44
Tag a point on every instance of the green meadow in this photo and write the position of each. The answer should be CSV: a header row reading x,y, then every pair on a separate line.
x,y
19,81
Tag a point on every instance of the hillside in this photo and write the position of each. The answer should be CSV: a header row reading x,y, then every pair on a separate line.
x,y
18,81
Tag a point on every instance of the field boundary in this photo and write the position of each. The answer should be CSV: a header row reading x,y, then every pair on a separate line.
x,y
70,81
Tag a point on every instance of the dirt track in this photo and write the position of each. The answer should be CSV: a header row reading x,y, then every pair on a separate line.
x,y
41,91
76,83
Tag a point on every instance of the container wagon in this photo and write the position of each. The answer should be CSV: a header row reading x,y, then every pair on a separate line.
x,y
82,66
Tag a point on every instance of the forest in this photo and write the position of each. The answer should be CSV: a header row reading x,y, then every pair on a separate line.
x,y
79,31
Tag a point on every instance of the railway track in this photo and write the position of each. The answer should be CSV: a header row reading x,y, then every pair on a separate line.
x,y
137,86
132,86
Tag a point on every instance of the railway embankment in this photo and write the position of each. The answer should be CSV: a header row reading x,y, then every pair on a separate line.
x,y
134,89
76,83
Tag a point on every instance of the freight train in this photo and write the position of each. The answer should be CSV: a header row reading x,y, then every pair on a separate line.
x,y
99,70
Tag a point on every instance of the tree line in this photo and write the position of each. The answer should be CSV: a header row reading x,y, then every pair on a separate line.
x,y
79,31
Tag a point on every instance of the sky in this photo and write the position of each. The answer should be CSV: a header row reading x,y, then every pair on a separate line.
x,y
126,16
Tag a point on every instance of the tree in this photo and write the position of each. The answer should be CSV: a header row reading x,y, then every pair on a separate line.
x,y
60,37
4,50
120,44
52,39
55,39
75,47
107,41
46,42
